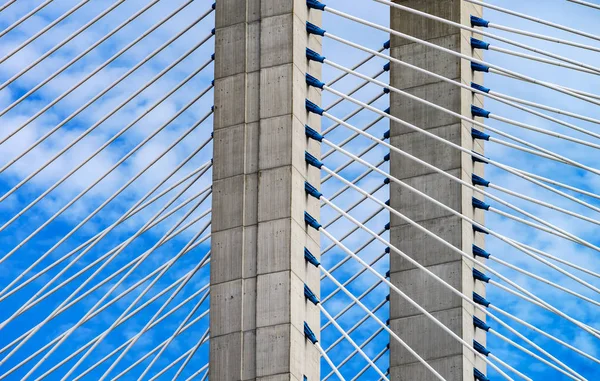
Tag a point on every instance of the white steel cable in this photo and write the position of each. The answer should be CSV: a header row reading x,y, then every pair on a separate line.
x,y
534,345
528,223
541,59
347,258
349,339
122,188
152,319
349,306
583,95
137,362
379,322
197,373
471,153
527,150
516,268
138,283
356,203
564,262
101,300
544,280
543,37
354,352
585,3
595,332
357,179
110,86
356,66
534,19
133,313
144,198
4,294
198,304
450,112
349,162
166,315
7,4
112,301
171,364
354,112
102,147
442,241
186,361
530,353
507,366
542,332
351,137
48,27
463,56
112,275
99,122
365,368
25,17
352,278
465,256
355,326
62,43
544,204
504,98
550,132
483,33
72,61
355,89
465,345
510,242
492,94
329,362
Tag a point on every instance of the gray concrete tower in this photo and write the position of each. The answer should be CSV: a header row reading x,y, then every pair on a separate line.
x,y
443,352
258,269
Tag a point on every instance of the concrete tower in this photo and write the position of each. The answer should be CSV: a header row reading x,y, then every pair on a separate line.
x,y
444,353
258,269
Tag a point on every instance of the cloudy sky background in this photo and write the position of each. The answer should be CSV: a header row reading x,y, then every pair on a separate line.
x,y
553,10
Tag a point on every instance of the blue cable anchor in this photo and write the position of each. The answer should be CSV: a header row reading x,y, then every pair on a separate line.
x,y
479,252
481,276
313,29
478,204
308,294
312,107
312,133
314,82
477,180
310,258
480,67
477,86
310,335
311,190
478,44
311,221
311,55
478,323
310,159
479,135
480,300
479,376
478,21
314,4
478,111
480,348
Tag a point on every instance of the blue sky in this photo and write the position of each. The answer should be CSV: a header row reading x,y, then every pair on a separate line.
x,y
553,10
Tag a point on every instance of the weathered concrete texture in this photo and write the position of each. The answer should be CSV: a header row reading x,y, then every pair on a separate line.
x,y
444,353
258,270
